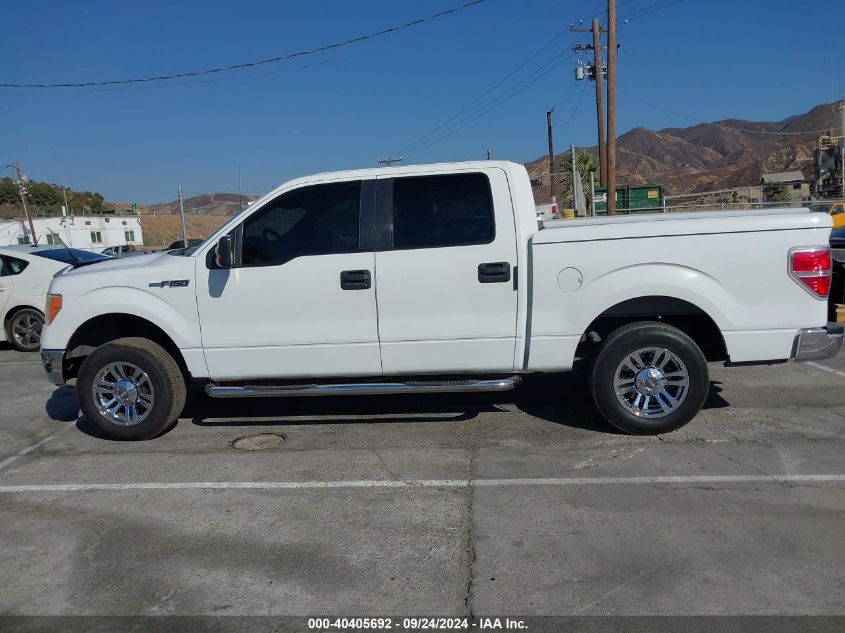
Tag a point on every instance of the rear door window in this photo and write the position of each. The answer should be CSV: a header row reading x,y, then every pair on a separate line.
x,y
439,211
12,266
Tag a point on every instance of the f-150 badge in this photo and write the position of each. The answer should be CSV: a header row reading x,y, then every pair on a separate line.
x,y
173,283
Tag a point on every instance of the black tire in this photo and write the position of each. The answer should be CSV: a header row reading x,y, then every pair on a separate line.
x,y
628,339
23,329
168,387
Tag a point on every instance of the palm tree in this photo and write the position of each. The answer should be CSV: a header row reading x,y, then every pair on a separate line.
x,y
584,163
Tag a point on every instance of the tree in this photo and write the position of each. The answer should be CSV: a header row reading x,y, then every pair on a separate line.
x,y
9,192
585,163
43,195
778,193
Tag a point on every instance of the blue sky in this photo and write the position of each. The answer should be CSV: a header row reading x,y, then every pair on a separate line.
x,y
707,60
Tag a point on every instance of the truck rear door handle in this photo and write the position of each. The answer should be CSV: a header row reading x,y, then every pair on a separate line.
x,y
494,272
355,280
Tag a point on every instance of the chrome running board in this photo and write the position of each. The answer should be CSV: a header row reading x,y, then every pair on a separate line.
x,y
362,389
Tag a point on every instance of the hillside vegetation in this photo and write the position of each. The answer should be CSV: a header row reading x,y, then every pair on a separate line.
x,y
44,198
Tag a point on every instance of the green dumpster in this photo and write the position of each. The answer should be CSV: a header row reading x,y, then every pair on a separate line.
x,y
646,198
621,200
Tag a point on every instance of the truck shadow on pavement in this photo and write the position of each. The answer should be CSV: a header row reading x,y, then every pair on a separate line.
x,y
560,399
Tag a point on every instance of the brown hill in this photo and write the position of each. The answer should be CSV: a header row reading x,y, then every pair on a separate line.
x,y
710,156
204,204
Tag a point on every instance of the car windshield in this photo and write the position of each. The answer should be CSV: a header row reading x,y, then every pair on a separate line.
x,y
71,255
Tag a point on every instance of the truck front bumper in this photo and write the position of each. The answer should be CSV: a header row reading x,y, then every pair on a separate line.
x,y
53,359
818,342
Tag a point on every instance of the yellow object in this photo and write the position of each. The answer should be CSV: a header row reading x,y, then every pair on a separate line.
x,y
840,313
837,212
568,214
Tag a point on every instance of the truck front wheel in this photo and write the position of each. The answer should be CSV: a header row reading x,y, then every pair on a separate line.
x,y
649,378
130,389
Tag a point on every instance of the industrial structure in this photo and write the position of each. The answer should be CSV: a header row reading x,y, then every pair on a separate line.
x,y
829,159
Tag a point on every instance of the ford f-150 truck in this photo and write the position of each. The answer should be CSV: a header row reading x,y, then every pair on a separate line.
x,y
437,278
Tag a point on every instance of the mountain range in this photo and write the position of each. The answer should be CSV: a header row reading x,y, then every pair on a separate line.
x,y
712,156
704,157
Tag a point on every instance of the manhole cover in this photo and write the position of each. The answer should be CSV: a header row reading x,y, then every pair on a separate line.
x,y
259,441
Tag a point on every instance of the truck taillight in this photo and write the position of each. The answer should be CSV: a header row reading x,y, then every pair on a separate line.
x,y
811,267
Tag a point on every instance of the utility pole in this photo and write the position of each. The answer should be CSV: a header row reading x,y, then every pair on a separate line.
x,y
596,73
389,161
67,207
551,155
574,181
599,71
22,191
611,107
182,215
489,154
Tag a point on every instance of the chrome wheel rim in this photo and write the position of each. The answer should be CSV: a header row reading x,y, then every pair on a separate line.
x,y
123,393
26,328
651,382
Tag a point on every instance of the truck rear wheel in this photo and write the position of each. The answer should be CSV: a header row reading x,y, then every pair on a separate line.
x,y
649,378
130,389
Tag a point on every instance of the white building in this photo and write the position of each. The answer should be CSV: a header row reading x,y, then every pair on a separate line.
x,y
90,233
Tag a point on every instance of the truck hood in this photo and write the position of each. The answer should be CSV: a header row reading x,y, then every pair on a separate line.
x,y
121,263
141,272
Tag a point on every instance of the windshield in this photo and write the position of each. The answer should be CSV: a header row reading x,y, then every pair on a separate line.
x,y
71,255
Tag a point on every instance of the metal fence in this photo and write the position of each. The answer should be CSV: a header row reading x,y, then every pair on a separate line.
x,y
747,198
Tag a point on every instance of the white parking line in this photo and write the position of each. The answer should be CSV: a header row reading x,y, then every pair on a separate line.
x,y
425,483
830,369
29,449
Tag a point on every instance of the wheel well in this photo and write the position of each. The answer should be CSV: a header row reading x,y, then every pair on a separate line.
x,y
685,316
109,327
13,311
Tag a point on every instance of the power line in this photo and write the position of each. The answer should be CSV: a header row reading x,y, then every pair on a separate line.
x,y
526,82
719,125
437,134
176,84
209,71
432,131
644,11
577,105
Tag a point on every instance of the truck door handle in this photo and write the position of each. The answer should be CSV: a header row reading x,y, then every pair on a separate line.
x,y
355,280
494,272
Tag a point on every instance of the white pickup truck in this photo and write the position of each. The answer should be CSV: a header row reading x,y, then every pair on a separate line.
x,y
437,278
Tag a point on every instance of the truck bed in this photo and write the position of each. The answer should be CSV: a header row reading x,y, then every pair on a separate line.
x,y
682,223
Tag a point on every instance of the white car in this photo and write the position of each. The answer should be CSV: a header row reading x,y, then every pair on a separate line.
x,y
434,278
25,275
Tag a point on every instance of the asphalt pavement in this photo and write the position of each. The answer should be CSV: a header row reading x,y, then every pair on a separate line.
x,y
520,503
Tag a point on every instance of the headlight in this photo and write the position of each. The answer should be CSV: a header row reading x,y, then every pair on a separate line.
x,y
54,304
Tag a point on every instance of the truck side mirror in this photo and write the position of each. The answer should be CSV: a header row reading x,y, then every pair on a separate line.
x,y
223,252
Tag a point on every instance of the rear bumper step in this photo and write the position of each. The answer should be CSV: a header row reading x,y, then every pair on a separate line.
x,y
818,343
362,389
